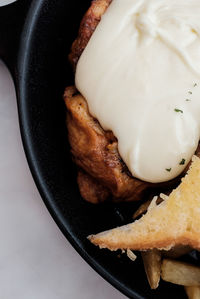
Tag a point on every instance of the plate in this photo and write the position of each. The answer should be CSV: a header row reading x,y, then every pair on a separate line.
x,y
43,73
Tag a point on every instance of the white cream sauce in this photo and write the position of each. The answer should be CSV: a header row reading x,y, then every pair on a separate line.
x,y
140,74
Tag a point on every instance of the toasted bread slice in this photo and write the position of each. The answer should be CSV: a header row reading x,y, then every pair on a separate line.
x,y
173,222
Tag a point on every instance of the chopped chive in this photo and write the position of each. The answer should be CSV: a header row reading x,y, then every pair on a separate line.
x,y
168,169
189,92
188,100
182,162
178,110
195,84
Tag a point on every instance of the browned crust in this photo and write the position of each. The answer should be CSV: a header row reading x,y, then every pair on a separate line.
x,y
91,189
102,172
95,152
188,239
88,25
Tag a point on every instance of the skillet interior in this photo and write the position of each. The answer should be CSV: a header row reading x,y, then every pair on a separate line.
x,y
43,72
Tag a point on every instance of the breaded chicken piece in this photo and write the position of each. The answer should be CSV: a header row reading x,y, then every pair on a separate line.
x,y
101,172
88,25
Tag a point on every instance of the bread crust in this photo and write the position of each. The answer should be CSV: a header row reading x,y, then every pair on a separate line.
x,y
143,245
174,222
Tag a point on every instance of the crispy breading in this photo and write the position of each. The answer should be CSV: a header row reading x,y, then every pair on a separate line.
x,y
91,189
103,173
88,24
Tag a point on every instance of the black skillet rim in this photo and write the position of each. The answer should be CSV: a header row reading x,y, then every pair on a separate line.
x,y
22,69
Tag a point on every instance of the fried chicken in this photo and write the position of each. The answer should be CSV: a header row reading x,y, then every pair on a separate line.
x,y
88,25
102,174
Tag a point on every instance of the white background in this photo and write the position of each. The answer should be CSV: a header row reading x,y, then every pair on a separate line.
x,y
36,261
4,2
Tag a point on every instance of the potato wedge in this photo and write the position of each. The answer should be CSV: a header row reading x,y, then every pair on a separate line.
x,y
180,273
142,209
193,292
176,251
152,266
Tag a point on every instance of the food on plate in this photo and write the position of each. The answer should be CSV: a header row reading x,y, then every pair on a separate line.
x,y
168,229
88,25
133,125
180,273
103,172
176,251
193,292
140,78
131,255
152,266
144,207
175,221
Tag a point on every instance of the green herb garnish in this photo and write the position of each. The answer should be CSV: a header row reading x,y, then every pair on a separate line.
x,y
189,92
168,169
195,84
178,110
188,100
182,162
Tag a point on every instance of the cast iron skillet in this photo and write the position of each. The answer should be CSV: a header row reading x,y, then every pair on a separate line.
x,y
41,71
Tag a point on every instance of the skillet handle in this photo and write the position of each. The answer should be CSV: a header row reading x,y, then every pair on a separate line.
x,y
12,17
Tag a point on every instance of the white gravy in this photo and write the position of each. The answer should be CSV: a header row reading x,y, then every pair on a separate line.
x,y
140,74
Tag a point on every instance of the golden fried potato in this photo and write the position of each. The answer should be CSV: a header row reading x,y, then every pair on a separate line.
x,y
193,292
180,273
176,251
142,209
152,265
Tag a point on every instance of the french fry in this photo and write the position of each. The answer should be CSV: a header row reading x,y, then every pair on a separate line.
x,y
193,292
176,251
152,266
180,273
144,207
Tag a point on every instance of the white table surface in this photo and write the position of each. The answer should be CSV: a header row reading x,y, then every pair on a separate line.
x,y
36,261
5,2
